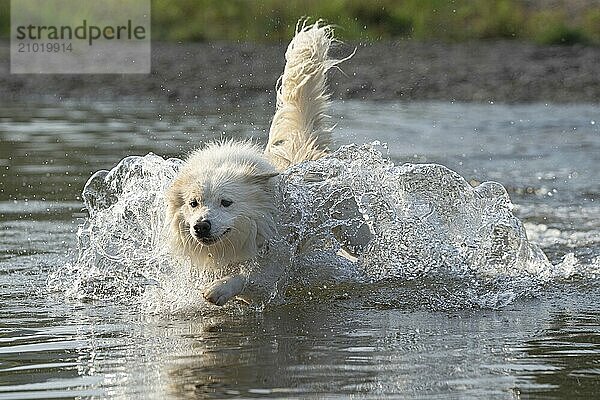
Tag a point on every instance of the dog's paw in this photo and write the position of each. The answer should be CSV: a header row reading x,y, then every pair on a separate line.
x,y
221,291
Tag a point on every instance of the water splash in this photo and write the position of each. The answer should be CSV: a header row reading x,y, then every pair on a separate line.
x,y
410,223
121,246
423,220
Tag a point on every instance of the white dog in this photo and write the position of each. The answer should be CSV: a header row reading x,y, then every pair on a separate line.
x,y
220,205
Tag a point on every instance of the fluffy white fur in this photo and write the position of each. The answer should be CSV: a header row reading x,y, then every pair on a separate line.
x,y
299,131
227,185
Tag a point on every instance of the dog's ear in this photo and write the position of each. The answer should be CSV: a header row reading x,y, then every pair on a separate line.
x,y
261,178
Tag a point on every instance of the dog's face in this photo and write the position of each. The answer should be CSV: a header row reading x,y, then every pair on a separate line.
x,y
222,210
213,209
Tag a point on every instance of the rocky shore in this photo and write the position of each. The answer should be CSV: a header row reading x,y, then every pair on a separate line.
x,y
237,73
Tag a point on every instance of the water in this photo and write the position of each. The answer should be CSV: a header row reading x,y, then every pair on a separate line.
x,y
383,338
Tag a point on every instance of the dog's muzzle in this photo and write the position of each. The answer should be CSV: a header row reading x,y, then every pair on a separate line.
x,y
203,233
202,229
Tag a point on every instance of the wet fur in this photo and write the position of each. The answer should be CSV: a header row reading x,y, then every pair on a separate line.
x,y
242,173
231,170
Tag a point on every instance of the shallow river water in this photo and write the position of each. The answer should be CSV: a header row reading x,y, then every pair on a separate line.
x,y
389,339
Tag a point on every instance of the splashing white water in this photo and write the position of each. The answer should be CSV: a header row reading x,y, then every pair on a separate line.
x,y
403,223
121,246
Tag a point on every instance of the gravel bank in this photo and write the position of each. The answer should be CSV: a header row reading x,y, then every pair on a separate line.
x,y
215,73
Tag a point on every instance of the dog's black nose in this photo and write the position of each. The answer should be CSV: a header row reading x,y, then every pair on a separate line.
x,y
202,228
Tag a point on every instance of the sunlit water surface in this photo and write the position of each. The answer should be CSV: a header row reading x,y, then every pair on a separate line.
x,y
386,339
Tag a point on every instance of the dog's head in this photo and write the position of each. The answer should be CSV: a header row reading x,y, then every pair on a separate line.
x,y
220,205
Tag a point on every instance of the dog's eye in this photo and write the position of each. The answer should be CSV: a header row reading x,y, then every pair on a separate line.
x,y
226,203
194,203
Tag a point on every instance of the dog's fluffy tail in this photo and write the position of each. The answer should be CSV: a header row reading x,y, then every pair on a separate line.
x,y
299,130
